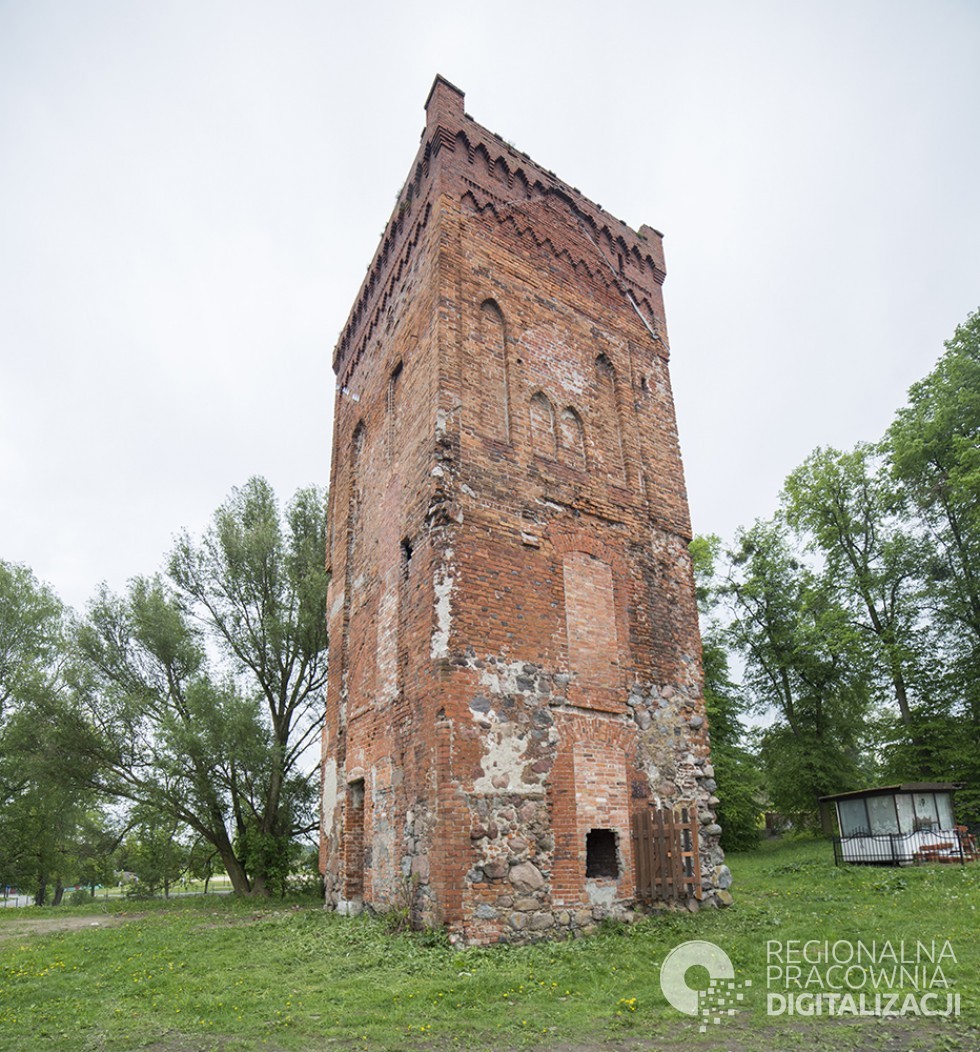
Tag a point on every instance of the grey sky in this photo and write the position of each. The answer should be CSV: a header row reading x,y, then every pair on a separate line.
x,y
190,193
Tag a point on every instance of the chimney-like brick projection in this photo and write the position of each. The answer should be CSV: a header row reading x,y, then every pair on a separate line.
x,y
515,665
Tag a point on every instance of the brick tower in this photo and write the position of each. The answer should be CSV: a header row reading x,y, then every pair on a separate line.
x,y
514,701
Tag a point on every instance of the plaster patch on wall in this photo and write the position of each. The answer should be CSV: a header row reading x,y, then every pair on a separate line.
x,y
387,656
601,892
337,606
518,750
443,587
328,802
504,763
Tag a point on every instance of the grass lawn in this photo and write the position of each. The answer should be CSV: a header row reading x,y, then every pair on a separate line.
x,y
214,973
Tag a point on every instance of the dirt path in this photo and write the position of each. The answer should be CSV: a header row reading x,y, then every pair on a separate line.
x,y
29,925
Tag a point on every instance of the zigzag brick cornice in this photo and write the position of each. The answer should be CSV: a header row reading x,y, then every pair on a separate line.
x,y
476,161
525,179
523,227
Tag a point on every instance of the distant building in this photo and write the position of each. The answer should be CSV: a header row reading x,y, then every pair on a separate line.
x,y
900,824
515,742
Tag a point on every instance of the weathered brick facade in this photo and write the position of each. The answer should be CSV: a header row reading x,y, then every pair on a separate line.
x,y
514,651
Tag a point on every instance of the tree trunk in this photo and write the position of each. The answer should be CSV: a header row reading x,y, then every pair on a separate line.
x,y
901,694
42,890
235,870
217,836
59,893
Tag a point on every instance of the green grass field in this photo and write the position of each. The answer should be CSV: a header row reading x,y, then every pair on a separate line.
x,y
215,973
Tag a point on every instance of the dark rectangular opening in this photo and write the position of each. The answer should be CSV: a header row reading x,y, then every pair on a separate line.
x,y
600,854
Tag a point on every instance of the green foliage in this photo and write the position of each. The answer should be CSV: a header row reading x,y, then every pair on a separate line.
x,y
846,509
49,816
805,664
202,689
31,638
154,851
741,792
855,611
740,789
934,446
32,624
267,853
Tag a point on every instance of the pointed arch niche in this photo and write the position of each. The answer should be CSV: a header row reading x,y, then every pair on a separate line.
x,y
542,426
609,430
571,439
490,383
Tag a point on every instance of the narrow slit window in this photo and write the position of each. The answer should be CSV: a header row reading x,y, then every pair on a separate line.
x,y
392,408
406,557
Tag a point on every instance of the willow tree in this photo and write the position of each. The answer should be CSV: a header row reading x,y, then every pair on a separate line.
x,y
206,684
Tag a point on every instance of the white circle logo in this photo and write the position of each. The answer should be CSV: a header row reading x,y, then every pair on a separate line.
x,y
718,999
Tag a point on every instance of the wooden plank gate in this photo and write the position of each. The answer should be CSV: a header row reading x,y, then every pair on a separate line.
x,y
665,853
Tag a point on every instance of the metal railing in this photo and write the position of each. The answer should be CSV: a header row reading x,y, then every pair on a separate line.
x,y
897,849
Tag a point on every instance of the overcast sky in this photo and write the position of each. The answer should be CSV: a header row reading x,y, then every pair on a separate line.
x,y
190,193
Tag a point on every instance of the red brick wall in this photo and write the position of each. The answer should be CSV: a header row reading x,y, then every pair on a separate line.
x,y
514,649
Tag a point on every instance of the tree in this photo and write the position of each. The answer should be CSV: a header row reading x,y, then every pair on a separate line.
x,y
160,731
855,517
934,450
55,839
43,812
804,669
740,789
260,590
155,851
32,621
204,689
934,445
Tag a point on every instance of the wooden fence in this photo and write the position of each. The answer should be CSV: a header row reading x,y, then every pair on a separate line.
x,y
665,853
